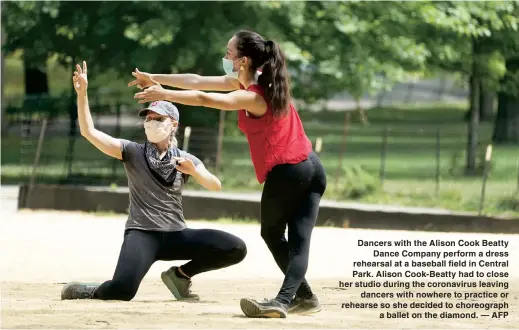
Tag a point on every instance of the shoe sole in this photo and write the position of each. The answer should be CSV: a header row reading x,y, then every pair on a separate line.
x,y
173,288
301,311
252,309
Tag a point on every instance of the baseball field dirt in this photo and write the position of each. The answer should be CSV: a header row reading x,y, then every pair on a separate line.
x,y
42,250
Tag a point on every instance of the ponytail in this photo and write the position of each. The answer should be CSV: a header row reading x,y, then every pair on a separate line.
x,y
274,79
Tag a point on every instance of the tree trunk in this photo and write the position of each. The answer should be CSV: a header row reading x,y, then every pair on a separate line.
x,y
361,111
343,147
36,83
36,89
4,104
487,100
486,104
506,124
472,143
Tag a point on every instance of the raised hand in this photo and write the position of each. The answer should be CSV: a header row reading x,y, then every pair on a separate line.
x,y
143,79
185,165
153,93
79,79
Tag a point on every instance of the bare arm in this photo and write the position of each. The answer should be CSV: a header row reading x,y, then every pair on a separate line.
x,y
236,100
199,172
102,141
197,82
206,179
186,81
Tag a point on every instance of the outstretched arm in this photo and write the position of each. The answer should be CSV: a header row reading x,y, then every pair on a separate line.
x,y
185,81
102,141
236,100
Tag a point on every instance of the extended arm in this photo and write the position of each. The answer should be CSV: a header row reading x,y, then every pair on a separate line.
x,y
197,82
186,81
102,141
236,100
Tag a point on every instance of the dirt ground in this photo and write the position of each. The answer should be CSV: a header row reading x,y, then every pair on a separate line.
x,y
40,251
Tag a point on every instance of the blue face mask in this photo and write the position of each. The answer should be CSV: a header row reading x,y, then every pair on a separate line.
x,y
228,67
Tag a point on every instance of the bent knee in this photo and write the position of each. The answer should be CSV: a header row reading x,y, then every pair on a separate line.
x,y
238,252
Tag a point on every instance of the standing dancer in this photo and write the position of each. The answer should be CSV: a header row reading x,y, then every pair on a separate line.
x,y
294,177
155,230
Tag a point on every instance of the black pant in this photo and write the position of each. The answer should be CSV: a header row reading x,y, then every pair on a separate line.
x,y
291,196
207,249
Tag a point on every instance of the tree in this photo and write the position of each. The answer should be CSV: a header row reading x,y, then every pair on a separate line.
x,y
158,37
22,21
461,39
4,104
506,124
362,48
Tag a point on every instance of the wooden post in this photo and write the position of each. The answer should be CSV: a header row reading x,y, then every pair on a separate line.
x,y
187,135
318,145
488,157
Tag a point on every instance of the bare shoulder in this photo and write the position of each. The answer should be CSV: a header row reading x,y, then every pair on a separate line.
x,y
233,82
251,101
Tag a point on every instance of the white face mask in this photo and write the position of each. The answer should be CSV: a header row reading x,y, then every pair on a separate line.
x,y
158,131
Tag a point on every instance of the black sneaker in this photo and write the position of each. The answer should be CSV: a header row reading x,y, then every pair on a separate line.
x,y
304,306
267,309
77,290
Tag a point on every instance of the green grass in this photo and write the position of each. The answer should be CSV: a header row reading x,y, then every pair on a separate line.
x,y
410,166
409,169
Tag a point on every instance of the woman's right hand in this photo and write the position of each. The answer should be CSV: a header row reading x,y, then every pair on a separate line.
x,y
143,79
80,79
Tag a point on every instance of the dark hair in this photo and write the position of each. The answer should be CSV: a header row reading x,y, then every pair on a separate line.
x,y
274,78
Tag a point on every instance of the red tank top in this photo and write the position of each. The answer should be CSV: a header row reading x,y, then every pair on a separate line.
x,y
273,141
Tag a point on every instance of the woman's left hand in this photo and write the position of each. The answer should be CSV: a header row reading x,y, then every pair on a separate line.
x,y
185,165
153,93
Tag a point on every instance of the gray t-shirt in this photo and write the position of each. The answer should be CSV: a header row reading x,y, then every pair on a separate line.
x,y
153,205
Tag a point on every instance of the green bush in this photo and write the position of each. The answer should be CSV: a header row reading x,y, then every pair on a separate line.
x,y
458,162
354,182
508,203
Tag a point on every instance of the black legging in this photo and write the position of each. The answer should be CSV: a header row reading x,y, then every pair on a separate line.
x,y
207,249
291,196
